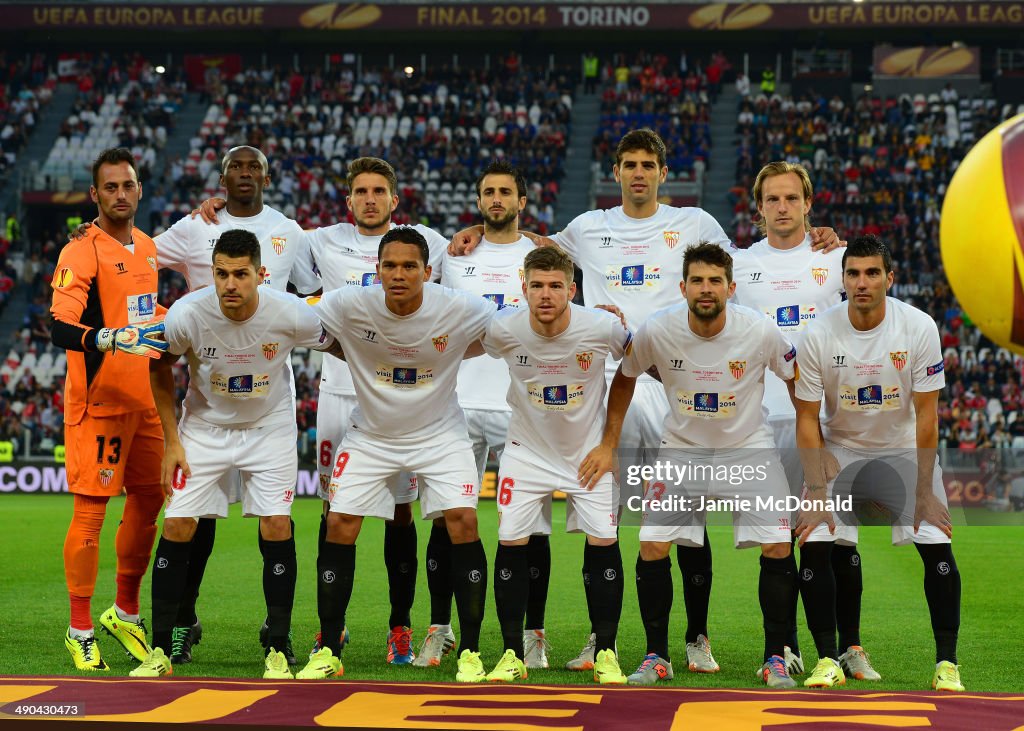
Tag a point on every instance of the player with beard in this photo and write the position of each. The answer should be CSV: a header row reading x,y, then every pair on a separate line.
x,y
104,293
711,358
493,270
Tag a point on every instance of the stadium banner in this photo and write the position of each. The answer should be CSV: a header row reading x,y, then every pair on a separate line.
x,y
516,16
964,488
927,62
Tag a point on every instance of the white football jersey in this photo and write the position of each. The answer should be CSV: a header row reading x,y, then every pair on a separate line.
x,y
715,386
557,384
405,368
187,247
494,271
636,263
791,286
239,372
344,257
868,379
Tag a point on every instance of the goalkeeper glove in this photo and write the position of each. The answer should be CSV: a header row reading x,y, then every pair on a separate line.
x,y
147,339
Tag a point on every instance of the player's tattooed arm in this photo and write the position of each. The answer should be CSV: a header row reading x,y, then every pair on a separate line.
x,y
601,459
208,209
927,506
825,239
161,380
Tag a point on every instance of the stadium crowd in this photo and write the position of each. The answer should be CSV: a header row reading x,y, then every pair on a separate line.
x,y
881,166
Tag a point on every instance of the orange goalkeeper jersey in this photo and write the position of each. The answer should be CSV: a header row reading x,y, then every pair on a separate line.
x,y
100,283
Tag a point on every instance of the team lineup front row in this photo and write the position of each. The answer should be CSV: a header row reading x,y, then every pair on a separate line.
x,y
874,361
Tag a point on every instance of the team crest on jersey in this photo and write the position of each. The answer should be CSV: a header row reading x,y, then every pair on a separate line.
x,y
269,350
898,358
820,274
522,275
278,242
440,343
151,260
737,367
63,278
584,359
106,475
671,238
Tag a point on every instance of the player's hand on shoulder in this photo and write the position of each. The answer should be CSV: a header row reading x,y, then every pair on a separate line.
x,y
464,241
825,239
208,209
82,229
615,311
929,508
147,339
599,461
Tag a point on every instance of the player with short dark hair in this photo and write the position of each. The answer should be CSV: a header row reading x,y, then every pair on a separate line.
x,y
711,358
877,364
238,414
104,300
403,342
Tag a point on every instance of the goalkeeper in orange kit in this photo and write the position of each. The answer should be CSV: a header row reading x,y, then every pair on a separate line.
x,y
104,301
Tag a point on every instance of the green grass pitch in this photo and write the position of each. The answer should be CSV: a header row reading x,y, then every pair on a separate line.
x,y
895,627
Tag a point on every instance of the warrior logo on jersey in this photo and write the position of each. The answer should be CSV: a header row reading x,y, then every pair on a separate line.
x,y
820,274
63,278
671,238
269,350
278,242
151,260
440,343
737,367
106,475
898,358
556,396
583,360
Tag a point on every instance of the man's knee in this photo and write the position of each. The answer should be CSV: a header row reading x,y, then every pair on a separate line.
x,y
276,527
462,525
180,530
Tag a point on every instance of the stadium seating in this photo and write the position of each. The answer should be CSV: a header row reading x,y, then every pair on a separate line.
x,y
26,86
132,108
437,131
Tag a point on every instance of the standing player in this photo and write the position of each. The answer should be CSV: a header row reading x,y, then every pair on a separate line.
x,y
494,270
557,440
105,280
630,258
782,276
403,341
346,255
185,248
877,363
711,357
238,414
